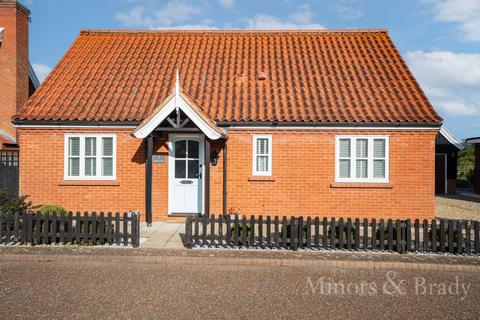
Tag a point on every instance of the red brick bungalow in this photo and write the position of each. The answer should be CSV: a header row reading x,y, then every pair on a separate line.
x,y
328,123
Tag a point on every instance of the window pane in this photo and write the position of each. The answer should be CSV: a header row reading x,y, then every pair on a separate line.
x,y
74,146
262,146
193,169
362,148
379,148
107,167
74,167
344,148
180,169
192,149
107,146
262,164
90,146
181,149
362,167
379,168
90,167
344,169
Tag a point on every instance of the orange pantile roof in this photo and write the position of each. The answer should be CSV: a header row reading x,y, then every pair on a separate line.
x,y
308,76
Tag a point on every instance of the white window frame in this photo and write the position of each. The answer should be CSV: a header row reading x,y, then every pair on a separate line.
x,y
99,156
353,158
254,160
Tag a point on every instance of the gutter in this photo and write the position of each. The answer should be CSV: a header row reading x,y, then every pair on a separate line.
x,y
329,124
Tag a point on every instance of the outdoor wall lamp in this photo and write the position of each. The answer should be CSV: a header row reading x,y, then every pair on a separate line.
x,y
214,158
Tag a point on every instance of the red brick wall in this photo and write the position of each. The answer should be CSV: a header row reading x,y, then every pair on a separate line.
x,y
13,62
303,173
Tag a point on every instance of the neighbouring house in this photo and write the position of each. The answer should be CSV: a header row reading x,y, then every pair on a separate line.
x,y
321,123
17,82
476,142
446,150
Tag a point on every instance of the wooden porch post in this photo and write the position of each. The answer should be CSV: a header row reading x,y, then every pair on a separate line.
x,y
148,181
225,177
207,176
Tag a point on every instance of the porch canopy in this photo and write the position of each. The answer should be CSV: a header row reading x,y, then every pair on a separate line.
x,y
178,113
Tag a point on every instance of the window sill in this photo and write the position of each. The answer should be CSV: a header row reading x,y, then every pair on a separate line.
x,y
112,183
261,178
362,185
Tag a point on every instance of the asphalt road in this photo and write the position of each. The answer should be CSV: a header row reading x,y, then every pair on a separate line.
x,y
174,291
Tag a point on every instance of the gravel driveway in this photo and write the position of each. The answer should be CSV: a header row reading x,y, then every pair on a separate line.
x,y
457,208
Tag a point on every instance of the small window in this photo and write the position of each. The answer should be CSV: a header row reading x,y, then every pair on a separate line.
x,y
89,157
262,155
361,159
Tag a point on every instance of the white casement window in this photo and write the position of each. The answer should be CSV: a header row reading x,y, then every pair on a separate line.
x,y
361,159
90,157
262,155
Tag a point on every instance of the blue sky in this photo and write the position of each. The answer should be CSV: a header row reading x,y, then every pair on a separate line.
x,y
439,39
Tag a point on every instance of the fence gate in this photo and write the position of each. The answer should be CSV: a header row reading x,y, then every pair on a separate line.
x,y
9,171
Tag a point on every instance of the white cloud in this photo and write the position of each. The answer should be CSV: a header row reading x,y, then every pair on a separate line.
x,y
348,9
450,80
229,4
175,11
464,12
41,70
301,19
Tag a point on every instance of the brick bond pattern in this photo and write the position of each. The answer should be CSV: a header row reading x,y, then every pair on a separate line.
x,y
302,182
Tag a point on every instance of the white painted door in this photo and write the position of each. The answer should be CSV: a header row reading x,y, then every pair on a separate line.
x,y
185,174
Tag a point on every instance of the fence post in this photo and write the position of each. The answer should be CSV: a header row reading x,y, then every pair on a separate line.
x,y
204,229
434,235
276,235
349,234
408,235
252,231
220,230
294,233
46,223
317,232
332,233
117,228
450,236
300,232
390,235
399,237
260,231
468,239
365,234
357,234
16,227
236,230
25,228
284,232
54,228
268,231
309,232
212,230
340,233
425,235
477,236
197,231
101,227
227,234
324,233
374,234
85,228
94,227
8,232
62,228
382,234
417,235
188,232
37,227
244,230
459,236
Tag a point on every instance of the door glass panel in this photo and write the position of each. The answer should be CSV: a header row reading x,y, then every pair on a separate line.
x,y
193,169
180,169
192,149
181,149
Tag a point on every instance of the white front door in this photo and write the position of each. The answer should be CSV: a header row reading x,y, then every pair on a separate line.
x,y
185,174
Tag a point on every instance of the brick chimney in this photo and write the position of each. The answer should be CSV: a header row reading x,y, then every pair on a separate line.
x,y
14,79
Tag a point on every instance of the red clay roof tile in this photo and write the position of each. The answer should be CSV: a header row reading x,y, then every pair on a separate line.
x,y
310,76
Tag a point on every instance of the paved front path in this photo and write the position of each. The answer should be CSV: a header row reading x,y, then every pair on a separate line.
x,y
166,235
121,283
457,207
